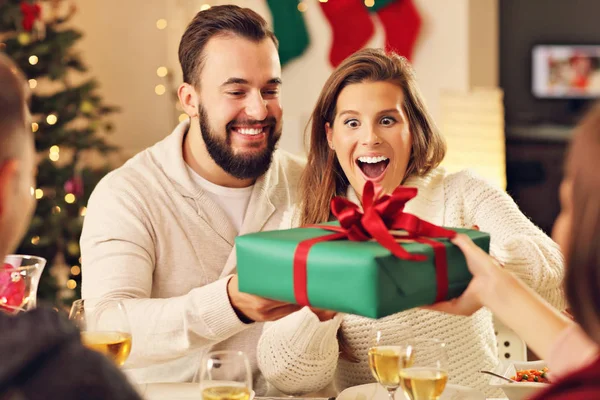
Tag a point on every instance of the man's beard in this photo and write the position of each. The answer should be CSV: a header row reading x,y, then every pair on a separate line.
x,y
240,166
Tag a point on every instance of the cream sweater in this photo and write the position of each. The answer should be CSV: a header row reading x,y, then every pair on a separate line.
x,y
155,239
299,354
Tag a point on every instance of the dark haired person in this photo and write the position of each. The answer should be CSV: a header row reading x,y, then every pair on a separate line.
x,y
42,355
159,231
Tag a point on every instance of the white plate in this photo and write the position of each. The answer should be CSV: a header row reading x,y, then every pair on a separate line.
x,y
374,391
172,391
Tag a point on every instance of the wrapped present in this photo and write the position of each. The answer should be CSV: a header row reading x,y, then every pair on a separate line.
x,y
372,262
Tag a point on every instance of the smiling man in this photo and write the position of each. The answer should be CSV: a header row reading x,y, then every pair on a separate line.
x,y
159,231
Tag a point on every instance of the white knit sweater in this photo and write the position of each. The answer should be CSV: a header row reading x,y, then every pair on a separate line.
x,y
300,354
154,239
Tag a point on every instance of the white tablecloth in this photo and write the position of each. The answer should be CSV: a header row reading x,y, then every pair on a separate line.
x,y
181,391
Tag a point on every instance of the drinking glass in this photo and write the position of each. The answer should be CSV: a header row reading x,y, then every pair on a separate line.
x,y
389,353
19,278
225,375
104,327
426,378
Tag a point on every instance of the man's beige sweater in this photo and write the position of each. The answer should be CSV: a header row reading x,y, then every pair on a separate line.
x,y
156,240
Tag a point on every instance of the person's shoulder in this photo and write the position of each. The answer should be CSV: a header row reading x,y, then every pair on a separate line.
x,y
133,177
288,161
288,167
468,180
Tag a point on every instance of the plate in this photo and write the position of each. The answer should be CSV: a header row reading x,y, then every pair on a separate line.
x,y
172,391
374,391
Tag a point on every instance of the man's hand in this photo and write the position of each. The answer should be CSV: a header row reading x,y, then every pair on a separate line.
x,y
250,308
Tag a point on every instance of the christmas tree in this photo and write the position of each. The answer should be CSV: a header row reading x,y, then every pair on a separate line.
x,y
69,123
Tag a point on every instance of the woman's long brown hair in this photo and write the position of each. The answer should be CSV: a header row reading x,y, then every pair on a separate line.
x,y
323,177
582,280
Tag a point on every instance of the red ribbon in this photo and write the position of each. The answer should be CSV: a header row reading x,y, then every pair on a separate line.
x,y
30,12
381,213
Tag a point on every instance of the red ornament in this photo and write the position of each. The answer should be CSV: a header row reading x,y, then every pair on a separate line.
x,y
75,186
12,289
31,12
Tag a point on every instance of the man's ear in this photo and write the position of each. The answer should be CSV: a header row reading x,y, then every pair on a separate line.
x,y
8,175
188,97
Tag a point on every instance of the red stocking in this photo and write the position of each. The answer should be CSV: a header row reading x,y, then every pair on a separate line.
x,y
401,22
351,25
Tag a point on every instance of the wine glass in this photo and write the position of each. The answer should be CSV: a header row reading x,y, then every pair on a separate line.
x,y
104,327
389,353
225,375
19,278
426,378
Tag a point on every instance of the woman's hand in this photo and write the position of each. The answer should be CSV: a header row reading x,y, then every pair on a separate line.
x,y
485,270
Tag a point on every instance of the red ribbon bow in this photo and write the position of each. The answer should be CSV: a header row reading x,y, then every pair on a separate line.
x,y
381,213
30,12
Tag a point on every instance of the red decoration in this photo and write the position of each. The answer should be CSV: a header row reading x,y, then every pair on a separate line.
x,y
75,186
351,25
401,22
381,214
31,12
12,289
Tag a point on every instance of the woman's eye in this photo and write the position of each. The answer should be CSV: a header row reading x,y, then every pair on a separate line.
x,y
387,121
352,123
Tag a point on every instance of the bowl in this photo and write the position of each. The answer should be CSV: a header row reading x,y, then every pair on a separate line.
x,y
517,390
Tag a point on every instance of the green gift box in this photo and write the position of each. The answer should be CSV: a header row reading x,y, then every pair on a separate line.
x,y
361,278
410,263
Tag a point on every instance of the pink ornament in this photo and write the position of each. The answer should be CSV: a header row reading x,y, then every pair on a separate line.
x,y
75,186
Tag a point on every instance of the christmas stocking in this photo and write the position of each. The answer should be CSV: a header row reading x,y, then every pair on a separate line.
x,y
351,25
289,28
401,22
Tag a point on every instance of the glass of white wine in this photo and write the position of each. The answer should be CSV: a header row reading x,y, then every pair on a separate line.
x,y
426,378
104,327
225,375
390,352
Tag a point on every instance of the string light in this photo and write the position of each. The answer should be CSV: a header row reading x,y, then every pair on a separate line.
x,y
34,127
39,193
75,270
35,240
71,284
54,153
82,212
32,83
204,7
369,3
51,119
33,60
162,71
183,117
160,90
161,24
302,6
323,1
56,210
70,198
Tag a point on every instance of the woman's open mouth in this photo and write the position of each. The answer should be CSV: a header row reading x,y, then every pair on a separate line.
x,y
373,168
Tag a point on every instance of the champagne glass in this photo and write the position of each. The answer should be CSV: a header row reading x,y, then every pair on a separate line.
x,y
19,278
225,375
104,327
426,378
390,353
